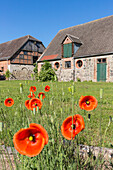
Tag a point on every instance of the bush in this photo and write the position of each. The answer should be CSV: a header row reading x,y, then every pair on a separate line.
x,y
47,73
7,74
35,71
78,79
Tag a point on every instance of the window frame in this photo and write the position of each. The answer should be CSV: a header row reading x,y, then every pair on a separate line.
x,y
101,60
77,63
56,66
67,63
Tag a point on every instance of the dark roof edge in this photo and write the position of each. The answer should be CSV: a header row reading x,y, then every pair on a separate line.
x,y
92,55
49,60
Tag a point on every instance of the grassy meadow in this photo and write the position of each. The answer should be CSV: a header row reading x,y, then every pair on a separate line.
x,y
57,106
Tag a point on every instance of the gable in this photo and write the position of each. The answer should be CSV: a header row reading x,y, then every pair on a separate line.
x,y
10,48
67,40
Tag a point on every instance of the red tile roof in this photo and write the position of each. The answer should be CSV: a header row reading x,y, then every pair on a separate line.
x,y
49,57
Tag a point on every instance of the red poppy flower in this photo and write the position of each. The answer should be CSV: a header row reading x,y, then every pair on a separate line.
x,y
41,94
70,129
32,89
30,141
47,88
34,103
27,104
31,95
88,103
8,102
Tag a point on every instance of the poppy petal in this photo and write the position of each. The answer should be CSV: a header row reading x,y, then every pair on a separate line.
x,y
35,148
40,129
67,131
91,105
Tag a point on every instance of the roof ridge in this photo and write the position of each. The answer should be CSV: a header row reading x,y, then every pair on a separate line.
x,y
72,36
15,39
86,23
26,36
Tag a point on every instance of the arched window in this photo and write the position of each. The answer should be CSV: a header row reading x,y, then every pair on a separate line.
x,y
56,65
79,63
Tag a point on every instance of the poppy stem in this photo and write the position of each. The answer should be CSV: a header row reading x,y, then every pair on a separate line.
x,y
34,110
37,109
21,87
106,131
72,108
101,97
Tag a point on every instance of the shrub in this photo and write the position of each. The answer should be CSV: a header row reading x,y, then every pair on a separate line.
x,y
78,79
7,74
35,71
47,73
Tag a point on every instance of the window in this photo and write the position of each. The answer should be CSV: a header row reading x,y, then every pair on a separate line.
x,y
56,65
25,52
2,68
79,63
67,64
101,60
21,56
67,50
35,58
104,60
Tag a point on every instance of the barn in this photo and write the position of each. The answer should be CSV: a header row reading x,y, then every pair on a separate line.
x,y
83,52
19,55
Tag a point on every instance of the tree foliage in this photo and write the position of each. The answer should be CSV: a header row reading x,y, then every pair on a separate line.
x,y
47,73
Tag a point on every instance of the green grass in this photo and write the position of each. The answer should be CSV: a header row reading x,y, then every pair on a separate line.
x,y
57,106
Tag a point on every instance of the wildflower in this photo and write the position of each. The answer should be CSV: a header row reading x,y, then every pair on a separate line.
x,y
88,103
47,88
32,89
31,95
34,103
30,141
8,102
71,127
27,104
41,94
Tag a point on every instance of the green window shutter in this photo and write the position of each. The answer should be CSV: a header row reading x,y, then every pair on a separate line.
x,y
67,50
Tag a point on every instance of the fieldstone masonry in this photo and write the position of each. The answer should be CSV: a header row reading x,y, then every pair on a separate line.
x,y
88,71
21,72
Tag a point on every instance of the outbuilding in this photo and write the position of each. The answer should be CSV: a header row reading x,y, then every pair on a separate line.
x,y
83,52
19,55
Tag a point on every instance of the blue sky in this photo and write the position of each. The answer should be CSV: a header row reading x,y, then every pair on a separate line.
x,y
43,19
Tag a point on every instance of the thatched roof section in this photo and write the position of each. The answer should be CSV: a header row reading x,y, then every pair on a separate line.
x,y
8,49
96,37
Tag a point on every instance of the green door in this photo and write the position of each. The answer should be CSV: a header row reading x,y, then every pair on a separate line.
x,y
101,71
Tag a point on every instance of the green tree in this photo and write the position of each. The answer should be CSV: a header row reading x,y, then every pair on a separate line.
x,y
47,73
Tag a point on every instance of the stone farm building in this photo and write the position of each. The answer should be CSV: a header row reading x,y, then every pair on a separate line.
x,y
82,52
19,55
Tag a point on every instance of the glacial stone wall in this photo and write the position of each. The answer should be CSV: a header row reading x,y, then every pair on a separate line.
x,y
20,72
